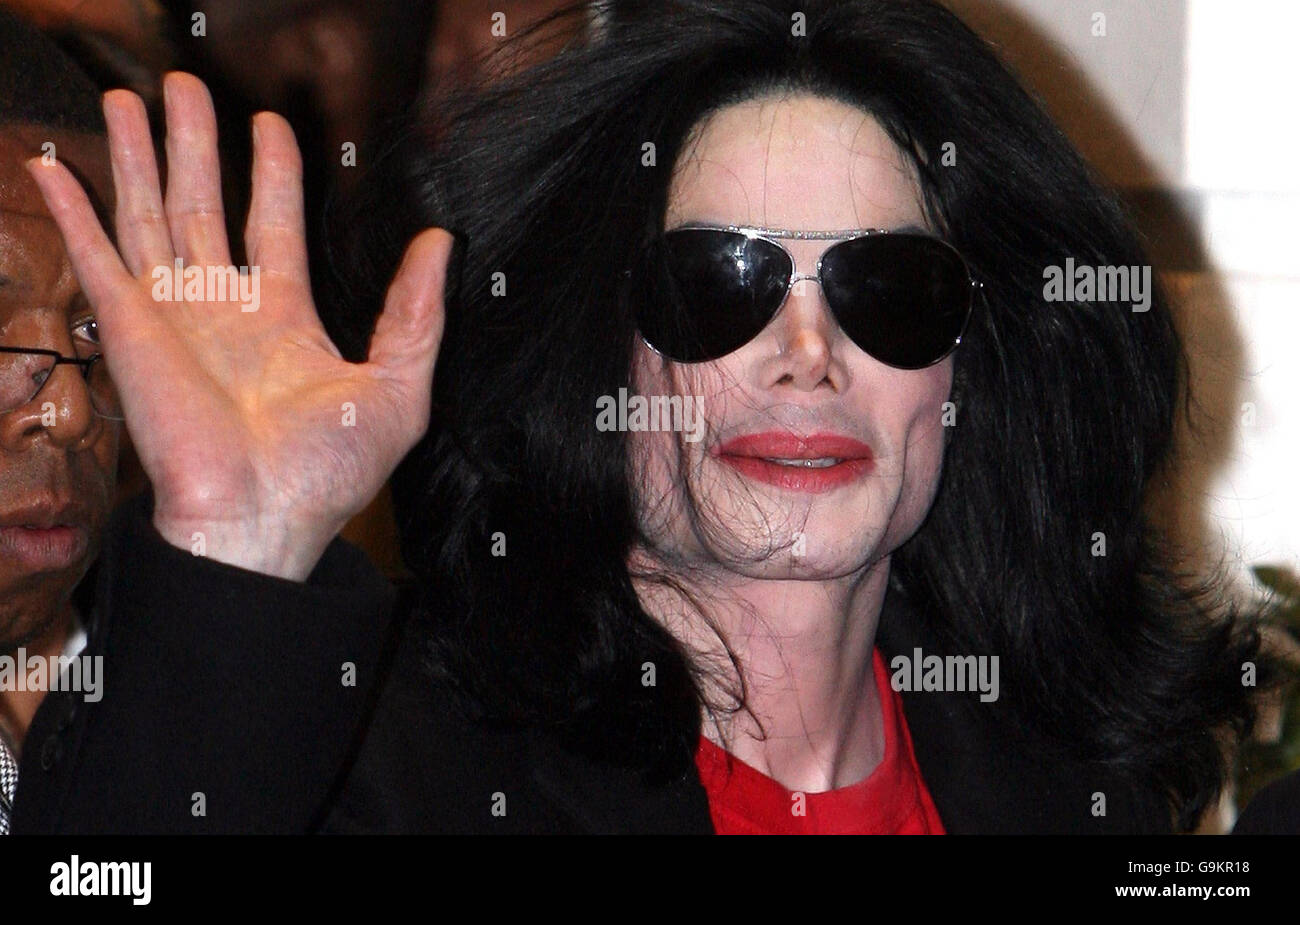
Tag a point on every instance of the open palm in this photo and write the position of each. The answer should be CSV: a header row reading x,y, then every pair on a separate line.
x,y
260,440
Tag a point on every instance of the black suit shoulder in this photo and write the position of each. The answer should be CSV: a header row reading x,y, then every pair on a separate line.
x,y
989,777
425,766
1275,810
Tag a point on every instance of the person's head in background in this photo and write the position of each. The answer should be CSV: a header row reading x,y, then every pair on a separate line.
x,y
117,43
58,451
334,68
350,62
467,33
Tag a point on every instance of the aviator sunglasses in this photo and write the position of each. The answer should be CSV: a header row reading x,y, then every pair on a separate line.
x,y
904,298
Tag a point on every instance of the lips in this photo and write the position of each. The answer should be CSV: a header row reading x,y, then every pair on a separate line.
x,y
45,536
813,464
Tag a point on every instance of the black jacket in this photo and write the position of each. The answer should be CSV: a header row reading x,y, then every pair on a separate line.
x,y
1275,810
225,710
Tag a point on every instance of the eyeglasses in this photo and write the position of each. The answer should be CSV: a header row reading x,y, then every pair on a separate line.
x,y
904,298
24,371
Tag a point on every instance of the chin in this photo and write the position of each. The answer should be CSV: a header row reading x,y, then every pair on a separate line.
x,y
807,568
816,553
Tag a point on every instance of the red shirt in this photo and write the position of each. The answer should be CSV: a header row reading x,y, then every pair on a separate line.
x,y
893,800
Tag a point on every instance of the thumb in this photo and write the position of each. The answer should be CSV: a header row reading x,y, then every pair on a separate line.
x,y
409,331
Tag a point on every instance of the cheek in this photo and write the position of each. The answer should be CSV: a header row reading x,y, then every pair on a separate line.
x,y
106,451
665,461
691,398
654,456
928,418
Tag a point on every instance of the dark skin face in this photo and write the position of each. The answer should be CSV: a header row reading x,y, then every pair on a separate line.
x,y
58,458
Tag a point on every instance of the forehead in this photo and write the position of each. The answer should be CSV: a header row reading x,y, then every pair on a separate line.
x,y
36,278
32,253
794,161
86,155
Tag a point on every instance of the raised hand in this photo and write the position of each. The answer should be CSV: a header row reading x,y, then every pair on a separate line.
x,y
260,440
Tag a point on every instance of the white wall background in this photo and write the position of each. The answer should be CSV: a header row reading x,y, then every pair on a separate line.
x,y
1195,98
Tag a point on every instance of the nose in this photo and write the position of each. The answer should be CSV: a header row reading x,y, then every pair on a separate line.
x,y
61,413
806,333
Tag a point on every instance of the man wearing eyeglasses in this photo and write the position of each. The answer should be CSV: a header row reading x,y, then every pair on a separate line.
x,y
59,417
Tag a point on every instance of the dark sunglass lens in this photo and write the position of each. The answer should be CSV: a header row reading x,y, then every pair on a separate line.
x,y
715,292
902,298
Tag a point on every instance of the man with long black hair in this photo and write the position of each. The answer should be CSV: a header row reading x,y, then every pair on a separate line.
x,y
868,600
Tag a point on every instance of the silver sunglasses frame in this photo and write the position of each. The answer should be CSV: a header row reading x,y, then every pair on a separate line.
x,y
775,235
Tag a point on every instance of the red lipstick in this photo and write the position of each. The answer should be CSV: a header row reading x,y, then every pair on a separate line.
x,y
813,465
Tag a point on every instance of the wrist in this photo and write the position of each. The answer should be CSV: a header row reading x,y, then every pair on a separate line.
x,y
270,546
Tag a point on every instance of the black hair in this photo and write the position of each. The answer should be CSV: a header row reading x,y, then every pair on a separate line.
x,y
1066,410
41,85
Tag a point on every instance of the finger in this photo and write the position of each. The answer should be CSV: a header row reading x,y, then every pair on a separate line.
x,y
276,233
410,328
193,201
103,277
142,232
